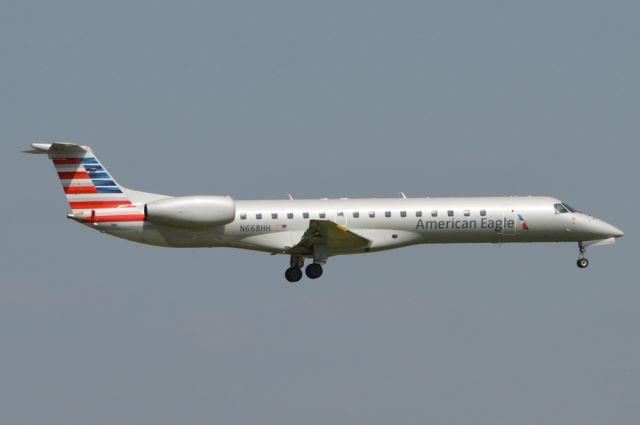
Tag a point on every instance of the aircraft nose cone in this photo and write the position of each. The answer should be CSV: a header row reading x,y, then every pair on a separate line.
x,y
607,230
615,232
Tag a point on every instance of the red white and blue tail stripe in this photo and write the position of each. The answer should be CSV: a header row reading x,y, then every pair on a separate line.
x,y
93,194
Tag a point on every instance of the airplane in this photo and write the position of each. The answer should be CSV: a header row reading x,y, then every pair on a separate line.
x,y
311,229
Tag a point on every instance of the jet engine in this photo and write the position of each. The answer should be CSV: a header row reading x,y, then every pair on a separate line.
x,y
191,211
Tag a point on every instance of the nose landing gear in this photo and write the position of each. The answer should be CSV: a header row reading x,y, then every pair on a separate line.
x,y
582,262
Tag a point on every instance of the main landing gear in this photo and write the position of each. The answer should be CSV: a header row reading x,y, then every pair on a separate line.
x,y
582,262
294,272
313,270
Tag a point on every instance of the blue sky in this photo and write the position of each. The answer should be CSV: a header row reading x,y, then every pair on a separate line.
x,y
260,99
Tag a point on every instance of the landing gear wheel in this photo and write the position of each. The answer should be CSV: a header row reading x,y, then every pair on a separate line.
x,y
293,274
583,263
313,270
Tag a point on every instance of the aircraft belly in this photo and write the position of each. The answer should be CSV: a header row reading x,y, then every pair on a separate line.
x,y
271,242
161,235
132,231
388,238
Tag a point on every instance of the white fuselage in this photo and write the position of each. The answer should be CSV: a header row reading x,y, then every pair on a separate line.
x,y
316,229
277,225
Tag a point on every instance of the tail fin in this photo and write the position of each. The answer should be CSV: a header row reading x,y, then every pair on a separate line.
x,y
92,192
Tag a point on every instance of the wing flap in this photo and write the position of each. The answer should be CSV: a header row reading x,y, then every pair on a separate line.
x,y
331,235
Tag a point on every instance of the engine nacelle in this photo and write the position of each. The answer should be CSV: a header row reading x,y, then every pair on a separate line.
x,y
191,211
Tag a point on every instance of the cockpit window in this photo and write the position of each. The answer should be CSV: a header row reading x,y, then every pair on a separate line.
x,y
560,209
564,208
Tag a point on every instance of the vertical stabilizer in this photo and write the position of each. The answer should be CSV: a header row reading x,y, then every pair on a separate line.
x,y
92,192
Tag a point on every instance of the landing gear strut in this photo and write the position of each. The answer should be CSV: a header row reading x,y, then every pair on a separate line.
x,y
582,262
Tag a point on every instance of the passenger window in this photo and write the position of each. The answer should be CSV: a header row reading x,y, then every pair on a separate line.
x,y
274,216
483,213
403,213
356,214
258,216
560,209
467,213
372,214
387,214
322,215
243,216
305,215
450,213
289,216
434,213
340,214
418,213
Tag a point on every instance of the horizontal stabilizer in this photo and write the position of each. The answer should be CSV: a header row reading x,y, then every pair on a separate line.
x,y
38,148
42,148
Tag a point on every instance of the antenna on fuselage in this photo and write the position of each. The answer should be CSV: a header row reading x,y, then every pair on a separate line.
x,y
403,195
290,197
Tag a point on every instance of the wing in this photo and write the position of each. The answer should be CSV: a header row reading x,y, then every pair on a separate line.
x,y
329,235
